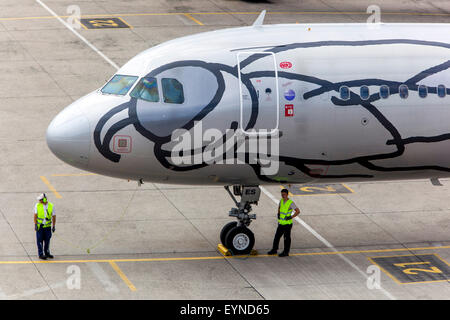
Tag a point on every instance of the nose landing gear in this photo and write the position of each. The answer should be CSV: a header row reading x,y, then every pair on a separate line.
x,y
236,236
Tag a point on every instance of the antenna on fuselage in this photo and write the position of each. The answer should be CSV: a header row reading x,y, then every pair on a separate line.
x,y
259,21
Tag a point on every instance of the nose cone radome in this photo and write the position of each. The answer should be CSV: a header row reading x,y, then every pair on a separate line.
x,y
69,138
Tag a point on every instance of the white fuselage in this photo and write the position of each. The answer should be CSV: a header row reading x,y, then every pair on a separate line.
x,y
347,103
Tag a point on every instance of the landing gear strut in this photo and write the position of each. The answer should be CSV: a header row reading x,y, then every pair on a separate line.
x,y
236,236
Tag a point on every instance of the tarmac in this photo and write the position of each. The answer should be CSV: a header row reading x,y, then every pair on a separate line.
x,y
115,240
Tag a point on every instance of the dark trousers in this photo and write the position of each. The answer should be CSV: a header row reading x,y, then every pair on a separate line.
x,y
283,230
43,236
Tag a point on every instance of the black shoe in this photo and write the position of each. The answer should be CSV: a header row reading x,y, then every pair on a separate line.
x,y
49,256
283,254
43,257
272,252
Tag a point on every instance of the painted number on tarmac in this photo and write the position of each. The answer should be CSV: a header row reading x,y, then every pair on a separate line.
x,y
420,268
319,189
102,23
406,267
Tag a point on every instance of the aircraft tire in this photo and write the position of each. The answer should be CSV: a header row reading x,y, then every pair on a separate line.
x,y
225,229
240,240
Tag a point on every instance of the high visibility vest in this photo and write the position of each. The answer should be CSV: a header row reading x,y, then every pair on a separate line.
x,y
285,211
44,218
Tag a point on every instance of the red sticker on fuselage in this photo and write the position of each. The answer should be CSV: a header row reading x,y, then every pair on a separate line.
x,y
285,65
288,110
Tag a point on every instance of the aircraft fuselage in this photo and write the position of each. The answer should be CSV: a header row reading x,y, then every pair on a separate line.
x,y
339,103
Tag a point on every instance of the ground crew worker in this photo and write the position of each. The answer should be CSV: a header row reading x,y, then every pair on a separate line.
x,y
44,216
285,209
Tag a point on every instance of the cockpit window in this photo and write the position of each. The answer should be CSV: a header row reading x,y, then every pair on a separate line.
x,y
146,89
119,85
172,91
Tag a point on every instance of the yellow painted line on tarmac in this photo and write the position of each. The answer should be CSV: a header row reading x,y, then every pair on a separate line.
x,y
26,18
73,174
322,253
122,276
279,13
369,251
49,185
227,13
129,25
357,12
348,188
79,22
113,260
193,19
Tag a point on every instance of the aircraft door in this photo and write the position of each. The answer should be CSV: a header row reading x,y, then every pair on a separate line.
x,y
258,93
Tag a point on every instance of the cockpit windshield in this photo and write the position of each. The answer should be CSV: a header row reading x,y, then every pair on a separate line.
x,y
172,91
146,89
119,85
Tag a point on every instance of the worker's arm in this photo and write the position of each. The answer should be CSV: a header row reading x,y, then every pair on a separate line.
x,y
35,218
297,212
54,222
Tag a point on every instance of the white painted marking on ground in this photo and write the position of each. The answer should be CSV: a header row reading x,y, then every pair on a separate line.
x,y
32,292
90,45
101,275
326,243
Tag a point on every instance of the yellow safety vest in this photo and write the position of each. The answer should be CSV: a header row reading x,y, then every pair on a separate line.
x,y
285,211
44,218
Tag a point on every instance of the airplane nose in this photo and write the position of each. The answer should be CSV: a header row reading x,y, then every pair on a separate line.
x,y
69,138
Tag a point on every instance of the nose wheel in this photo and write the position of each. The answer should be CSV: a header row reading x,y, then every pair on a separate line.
x,y
240,240
225,230
235,235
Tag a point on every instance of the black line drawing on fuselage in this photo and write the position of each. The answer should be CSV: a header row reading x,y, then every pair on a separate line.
x,y
217,69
